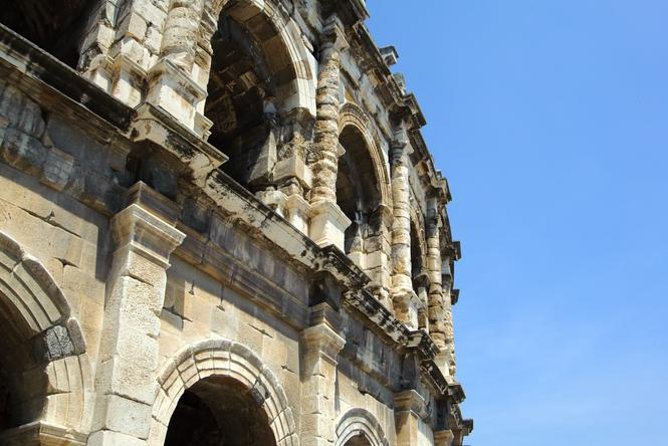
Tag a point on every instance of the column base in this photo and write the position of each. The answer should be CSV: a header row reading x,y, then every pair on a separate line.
x,y
119,76
328,224
297,212
173,90
407,306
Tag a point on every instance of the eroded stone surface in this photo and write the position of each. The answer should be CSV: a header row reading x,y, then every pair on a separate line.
x,y
227,208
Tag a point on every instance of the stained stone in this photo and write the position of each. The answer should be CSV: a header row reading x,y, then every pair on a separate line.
x,y
219,224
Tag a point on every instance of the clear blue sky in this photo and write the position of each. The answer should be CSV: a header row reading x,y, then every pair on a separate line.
x,y
550,120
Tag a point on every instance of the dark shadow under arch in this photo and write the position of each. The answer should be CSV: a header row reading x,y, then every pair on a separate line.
x,y
219,411
358,191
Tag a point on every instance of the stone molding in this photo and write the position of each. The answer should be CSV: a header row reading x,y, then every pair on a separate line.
x,y
328,224
139,230
323,341
42,434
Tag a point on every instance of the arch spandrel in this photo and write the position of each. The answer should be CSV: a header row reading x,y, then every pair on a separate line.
x,y
221,358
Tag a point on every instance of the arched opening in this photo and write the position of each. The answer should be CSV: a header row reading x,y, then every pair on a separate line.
x,y
249,79
358,194
358,427
420,277
23,380
359,440
56,26
219,411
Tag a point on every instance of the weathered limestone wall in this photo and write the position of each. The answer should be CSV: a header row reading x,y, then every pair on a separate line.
x,y
157,273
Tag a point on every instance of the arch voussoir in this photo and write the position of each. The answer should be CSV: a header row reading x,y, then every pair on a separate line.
x,y
32,296
358,422
218,357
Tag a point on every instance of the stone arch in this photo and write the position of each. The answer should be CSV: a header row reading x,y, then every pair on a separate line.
x,y
280,39
352,115
254,77
364,193
184,41
419,275
43,344
360,424
221,358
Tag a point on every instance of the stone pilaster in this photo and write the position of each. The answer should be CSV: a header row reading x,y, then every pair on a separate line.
x,y
437,305
321,345
144,237
446,359
180,36
327,150
327,220
405,301
409,408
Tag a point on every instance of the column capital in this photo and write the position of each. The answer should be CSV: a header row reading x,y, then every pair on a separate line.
x,y
410,401
400,139
144,229
333,33
443,438
323,339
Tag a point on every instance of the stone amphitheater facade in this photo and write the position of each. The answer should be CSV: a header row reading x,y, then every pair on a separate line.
x,y
219,225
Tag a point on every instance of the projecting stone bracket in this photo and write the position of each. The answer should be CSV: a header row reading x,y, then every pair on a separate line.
x,y
156,125
407,306
328,224
174,90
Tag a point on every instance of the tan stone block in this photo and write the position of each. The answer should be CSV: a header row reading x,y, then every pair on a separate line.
x,y
128,378
135,306
225,322
133,25
275,353
126,416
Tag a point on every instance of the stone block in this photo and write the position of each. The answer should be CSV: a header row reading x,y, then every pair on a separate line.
x,y
111,438
133,25
58,168
328,224
23,151
128,417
